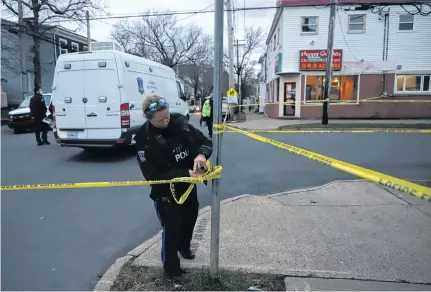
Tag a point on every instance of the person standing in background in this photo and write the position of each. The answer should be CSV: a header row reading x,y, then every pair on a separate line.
x,y
38,113
207,113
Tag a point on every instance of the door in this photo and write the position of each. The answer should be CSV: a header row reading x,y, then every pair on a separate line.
x,y
68,91
289,96
102,99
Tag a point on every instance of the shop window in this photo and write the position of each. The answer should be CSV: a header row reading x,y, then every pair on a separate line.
x,y
405,22
309,24
413,83
342,88
356,23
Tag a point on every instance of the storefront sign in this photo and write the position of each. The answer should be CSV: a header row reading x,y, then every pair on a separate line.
x,y
315,60
278,63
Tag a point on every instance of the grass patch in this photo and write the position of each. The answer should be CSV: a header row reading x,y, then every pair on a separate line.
x,y
139,278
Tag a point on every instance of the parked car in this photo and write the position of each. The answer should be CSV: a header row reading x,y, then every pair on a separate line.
x,y
192,108
20,119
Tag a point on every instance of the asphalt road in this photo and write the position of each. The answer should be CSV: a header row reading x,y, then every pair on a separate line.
x,y
62,239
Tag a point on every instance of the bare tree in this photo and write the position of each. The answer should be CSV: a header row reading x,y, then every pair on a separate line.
x,y
200,64
162,39
44,15
248,79
253,38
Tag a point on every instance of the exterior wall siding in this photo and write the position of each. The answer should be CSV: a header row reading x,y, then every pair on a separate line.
x,y
355,46
411,49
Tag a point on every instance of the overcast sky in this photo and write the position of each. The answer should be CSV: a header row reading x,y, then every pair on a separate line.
x,y
100,29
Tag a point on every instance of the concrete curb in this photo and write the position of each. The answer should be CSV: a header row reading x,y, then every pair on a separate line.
x,y
299,127
105,283
108,278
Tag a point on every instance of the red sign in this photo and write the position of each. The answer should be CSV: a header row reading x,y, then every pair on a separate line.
x,y
315,60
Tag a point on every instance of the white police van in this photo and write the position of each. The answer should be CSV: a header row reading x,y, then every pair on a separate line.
x,y
97,95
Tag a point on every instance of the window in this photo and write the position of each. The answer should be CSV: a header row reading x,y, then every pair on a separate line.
x,y
405,22
309,24
356,23
342,88
85,48
63,46
413,83
74,47
278,32
275,41
180,92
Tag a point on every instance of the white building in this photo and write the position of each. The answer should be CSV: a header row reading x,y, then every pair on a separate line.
x,y
382,52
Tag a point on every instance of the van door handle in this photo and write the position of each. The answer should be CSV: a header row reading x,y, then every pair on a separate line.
x,y
91,115
132,106
102,99
68,100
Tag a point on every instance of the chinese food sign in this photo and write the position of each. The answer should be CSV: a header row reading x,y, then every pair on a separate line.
x,y
315,60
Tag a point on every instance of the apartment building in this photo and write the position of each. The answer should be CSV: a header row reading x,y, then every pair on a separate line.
x,y
380,53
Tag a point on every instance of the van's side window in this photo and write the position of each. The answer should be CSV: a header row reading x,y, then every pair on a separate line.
x,y
180,92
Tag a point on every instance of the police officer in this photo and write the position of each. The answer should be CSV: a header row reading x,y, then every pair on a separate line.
x,y
169,147
38,113
207,113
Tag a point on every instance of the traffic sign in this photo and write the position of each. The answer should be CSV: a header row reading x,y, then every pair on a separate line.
x,y
232,92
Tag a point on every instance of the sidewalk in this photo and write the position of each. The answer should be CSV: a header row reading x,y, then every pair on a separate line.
x,y
322,238
260,122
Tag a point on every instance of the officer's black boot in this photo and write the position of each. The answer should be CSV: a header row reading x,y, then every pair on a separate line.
x,y
187,254
179,277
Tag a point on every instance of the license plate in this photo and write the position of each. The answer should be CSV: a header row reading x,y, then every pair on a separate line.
x,y
72,135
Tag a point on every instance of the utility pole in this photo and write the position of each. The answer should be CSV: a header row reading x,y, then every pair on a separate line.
x,y
230,42
216,157
329,53
88,29
239,73
23,60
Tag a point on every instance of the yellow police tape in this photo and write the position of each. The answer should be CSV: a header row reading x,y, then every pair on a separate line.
x,y
321,101
401,185
211,173
339,131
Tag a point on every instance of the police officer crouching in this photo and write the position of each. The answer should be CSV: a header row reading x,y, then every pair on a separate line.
x,y
169,147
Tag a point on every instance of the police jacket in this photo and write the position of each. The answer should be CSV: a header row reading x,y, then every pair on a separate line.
x,y
164,154
37,107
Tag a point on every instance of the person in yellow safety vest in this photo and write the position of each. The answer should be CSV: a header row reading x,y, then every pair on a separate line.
x,y
207,113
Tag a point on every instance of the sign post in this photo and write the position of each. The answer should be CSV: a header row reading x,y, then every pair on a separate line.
x,y
216,157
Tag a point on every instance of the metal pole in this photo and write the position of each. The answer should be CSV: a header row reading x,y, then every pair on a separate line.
x,y
23,60
230,42
88,29
328,74
216,157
